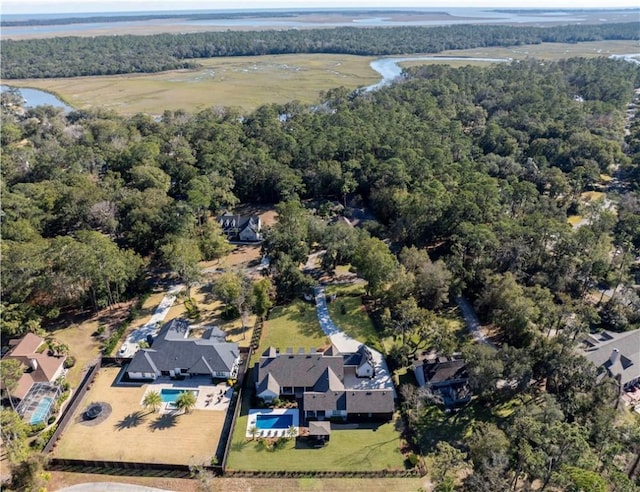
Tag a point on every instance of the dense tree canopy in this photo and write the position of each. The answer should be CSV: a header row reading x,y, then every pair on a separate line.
x,y
109,55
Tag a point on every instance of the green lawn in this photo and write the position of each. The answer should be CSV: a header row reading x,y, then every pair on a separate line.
x,y
295,325
356,321
373,448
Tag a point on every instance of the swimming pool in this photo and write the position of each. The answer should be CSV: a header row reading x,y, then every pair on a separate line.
x,y
171,395
283,421
42,411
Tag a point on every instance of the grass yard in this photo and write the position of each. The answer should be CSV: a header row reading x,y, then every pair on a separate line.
x,y
130,433
295,325
356,321
373,448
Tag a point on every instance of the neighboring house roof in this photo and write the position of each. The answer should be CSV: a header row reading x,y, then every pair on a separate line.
x,y
39,368
236,224
442,370
172,349
618,353
27,345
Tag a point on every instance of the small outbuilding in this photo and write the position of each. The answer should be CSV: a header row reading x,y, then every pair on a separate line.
x,y
319,433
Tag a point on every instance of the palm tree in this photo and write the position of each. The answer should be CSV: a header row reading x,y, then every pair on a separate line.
x,y
292,432
186,401
253,430
152,400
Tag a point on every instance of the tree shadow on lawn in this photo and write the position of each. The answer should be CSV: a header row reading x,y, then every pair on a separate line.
x,y
363,458
132,420
239,445
163,422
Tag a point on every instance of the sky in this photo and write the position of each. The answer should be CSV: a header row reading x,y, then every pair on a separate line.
x,y
63,6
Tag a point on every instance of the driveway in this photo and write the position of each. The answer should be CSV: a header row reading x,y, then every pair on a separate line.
x,y
130,345
472,321
345,344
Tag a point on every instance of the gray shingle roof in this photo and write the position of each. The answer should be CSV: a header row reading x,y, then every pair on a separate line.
x,y
325,374
268,383
330,400
299,369
440,371
380,401
599,347
172,350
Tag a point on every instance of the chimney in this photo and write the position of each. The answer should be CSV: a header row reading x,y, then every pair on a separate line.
x,y
615,356
34,364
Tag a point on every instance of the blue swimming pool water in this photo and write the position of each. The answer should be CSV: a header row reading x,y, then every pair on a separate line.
x,y
42,410
171,395
274,421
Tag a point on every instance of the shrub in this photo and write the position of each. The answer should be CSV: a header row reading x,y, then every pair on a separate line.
x,y
41,441
413,459
69,362
33,429
191,306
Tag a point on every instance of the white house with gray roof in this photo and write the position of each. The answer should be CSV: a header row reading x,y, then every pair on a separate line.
x,y
175,354
616,353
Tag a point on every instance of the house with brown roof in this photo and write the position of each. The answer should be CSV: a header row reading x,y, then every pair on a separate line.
x,y
39,367
446,377
324,383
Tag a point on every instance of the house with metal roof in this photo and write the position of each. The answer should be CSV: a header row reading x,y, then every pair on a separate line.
x,y
321,382
175,354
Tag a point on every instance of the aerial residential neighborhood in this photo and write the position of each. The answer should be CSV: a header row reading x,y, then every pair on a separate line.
x,y
382,248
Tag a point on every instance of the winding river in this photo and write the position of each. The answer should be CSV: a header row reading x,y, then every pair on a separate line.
x,y
389,69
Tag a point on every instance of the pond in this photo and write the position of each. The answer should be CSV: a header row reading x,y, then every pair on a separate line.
x,y
35,97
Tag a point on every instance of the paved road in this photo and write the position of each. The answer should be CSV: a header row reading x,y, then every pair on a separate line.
x,y
109,487
472,321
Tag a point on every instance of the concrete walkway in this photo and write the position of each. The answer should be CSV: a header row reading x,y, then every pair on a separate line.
x,y
345,344
130,345
473,323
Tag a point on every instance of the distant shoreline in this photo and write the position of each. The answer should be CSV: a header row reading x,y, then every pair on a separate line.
x,y
34,26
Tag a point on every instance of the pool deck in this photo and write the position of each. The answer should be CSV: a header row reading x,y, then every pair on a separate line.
x,y
215,397
253,415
